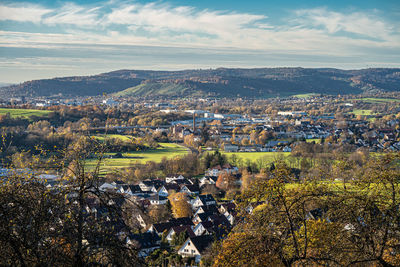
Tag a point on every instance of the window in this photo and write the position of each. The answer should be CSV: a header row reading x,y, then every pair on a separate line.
x,y
186,250
193,251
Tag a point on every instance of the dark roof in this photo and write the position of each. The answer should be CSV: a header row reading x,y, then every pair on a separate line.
x,y
192,187
204,216
135,189
157,197
119,182
230,207
145,240
206,198
171,186
202,242
161,227
183,228
219,219
182,221
181,181
155,182
211,209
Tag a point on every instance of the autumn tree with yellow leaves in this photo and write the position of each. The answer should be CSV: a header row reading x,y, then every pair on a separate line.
x,y
319,223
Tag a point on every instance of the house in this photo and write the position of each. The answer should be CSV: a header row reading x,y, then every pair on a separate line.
x,y
145,243
176,230
172,179
195,246
201,217
107,187
165,189
227,207
190,189
203,200
150,185
212,209
133,190
217,170
157,200
159,228
229,211
203,228
231,148
208,180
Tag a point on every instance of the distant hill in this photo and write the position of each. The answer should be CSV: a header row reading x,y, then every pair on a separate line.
x,y
221,82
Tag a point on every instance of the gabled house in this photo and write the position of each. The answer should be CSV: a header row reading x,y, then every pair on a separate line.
x,y
176,230
217,170
133,190
195,246
157,200
211,209
164,190
150,185
208,180
203,228
190,189
107,187
201,217
159,228
172,179
203,200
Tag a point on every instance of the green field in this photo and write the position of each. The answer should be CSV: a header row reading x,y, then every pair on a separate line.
x,y
168,150
366,112
25,113
378,100
125,138
265,157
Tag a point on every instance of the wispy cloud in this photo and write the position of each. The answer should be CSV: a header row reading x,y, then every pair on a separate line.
x,y
73,14
354,22
162,24
23,13
216,37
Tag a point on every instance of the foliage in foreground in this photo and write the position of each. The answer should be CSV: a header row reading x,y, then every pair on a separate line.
x,y
57,227
355,225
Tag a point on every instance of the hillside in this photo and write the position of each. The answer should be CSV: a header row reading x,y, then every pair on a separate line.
x,y
221,82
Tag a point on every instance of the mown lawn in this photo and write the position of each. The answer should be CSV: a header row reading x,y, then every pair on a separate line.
x,y
168,150
264,157
25,113
125,138
362,112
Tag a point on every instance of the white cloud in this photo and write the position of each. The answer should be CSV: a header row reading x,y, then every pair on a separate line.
x,y
313,31
23,13
354,22
75,15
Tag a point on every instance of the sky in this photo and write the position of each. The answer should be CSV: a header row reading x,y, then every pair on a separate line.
x,y
53,38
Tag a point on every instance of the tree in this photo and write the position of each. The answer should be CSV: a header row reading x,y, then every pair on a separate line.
x,y
159,213
225,181
180,205
44,226
247,180
316,223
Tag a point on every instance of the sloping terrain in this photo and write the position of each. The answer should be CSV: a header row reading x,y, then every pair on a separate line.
x,y
221,82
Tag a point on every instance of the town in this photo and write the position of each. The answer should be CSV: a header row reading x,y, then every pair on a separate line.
x,y
169,176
